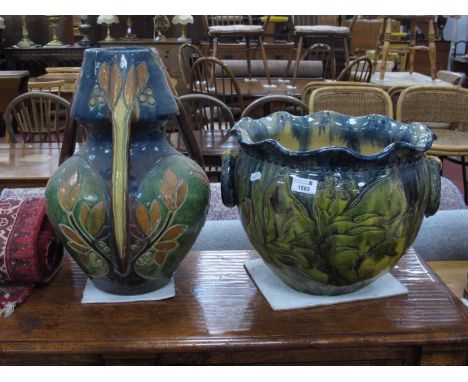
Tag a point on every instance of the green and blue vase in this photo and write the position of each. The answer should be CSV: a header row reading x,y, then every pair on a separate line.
x,y
127,206
331,202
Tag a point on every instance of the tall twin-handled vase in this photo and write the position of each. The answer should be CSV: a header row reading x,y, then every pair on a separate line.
x,y
127,206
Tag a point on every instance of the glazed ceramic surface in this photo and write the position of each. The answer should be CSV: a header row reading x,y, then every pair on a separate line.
x,y
331,202
127,206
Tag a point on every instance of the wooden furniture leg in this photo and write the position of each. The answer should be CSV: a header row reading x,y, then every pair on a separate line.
x,y
298,55
386,46
432,48
379,44
346,50
291,55
264,58
215,46
249,64
412,46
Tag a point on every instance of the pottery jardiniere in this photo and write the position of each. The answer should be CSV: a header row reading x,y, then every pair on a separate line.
x,y
331,202
127,206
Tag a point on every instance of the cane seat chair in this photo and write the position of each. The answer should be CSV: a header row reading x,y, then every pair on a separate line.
x,y
188,54
440,104
39,117
272,103
359,70
351,100
222,26
212,77
311,86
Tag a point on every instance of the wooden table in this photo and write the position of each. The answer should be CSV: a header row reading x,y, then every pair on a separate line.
x,y
405,79
219,317
252,90
12,84
27,164
212,144
68,87
453,273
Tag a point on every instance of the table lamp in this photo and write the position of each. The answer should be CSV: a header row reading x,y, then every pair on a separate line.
x,y
183,20
108,21
25,42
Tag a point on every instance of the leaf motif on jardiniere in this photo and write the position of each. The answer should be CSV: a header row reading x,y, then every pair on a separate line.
x,y
97,218
160,257
199,173
142,218
103,78
71,234
167,245
174,190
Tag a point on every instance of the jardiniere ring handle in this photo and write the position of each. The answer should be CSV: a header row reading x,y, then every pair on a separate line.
x,y
434,166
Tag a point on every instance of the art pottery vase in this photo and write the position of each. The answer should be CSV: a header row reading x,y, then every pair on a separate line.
x,y
127,206
331,202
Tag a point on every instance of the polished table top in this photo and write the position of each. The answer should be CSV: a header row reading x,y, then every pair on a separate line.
x,y
218,316
28,163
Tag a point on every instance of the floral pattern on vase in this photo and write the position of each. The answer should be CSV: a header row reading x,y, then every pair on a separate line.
x,y
127,206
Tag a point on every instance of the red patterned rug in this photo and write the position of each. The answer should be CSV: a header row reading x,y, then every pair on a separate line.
x,y
29,252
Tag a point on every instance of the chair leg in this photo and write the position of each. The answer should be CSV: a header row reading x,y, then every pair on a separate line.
x,y
378,47
465,193
346,50
291,55
412,46
432,48
386,47
298,55
264,58
249,64
215,46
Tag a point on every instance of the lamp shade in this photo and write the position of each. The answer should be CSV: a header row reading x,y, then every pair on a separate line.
x,y
107,19
182,19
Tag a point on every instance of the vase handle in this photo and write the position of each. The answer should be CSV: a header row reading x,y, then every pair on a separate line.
x,y
434,166
228,190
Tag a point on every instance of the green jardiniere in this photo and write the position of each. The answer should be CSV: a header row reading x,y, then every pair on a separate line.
x,y
331,202
127,206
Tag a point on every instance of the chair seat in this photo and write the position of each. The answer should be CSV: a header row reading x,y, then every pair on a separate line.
x,y
321,29
449,142
231,29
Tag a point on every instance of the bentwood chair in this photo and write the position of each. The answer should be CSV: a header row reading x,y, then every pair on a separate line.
x,y
222,26
351,100
40,117
311,86
359,70
271,103
428,104
212,77
188,54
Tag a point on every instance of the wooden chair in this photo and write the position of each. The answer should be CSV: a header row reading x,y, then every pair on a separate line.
x,y
351,100
394,92
188,54
238,26
441,105
359,70
212,77
269,104
204,112
302,29
383,42
39,116
311,86
317,52
54,87
63,69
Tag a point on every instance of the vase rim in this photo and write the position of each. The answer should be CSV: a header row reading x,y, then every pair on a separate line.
x,y
420,137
